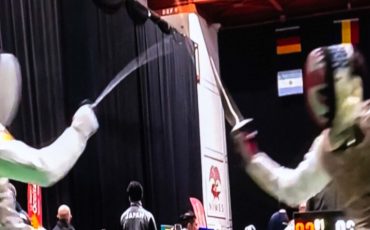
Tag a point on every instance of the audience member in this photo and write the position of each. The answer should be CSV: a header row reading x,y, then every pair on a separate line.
x,y
189,221
64,218
136,217
279,220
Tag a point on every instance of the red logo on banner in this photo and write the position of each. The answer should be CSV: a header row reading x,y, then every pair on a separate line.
x,y
34,205
198,211
215,181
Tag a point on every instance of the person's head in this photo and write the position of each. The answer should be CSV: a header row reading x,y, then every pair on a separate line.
x,y
64,213
189,221
135,191
333,83
10,87
302,207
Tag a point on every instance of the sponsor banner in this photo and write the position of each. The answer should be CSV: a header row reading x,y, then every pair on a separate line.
x,y
188,8
34,206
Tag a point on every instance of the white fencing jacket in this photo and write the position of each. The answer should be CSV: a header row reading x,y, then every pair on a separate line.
x,y
44,166
349,170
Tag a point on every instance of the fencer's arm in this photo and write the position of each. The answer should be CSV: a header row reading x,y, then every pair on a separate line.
x,y
290,185
48,165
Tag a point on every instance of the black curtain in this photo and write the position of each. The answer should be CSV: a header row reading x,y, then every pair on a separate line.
x,y
149,127
249,69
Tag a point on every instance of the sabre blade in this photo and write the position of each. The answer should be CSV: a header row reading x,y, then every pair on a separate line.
x,y
232,113
154,52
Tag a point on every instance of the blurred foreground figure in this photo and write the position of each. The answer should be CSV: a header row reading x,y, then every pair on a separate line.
x,y
21,162
341,153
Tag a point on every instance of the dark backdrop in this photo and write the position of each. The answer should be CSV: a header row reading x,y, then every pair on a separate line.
x,y
69,50
249,67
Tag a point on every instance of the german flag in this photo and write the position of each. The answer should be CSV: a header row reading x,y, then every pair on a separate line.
x,y
349,30
288,41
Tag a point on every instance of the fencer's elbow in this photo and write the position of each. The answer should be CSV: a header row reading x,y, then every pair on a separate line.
x,y
45,182
48,179
293,202
48,183
292,197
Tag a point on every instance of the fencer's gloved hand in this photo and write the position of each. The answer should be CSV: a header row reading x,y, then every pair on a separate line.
x,y
246,144
85,121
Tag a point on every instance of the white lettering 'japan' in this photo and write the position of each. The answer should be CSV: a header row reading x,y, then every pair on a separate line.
x,y
135,215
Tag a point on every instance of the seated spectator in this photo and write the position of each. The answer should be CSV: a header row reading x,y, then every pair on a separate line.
x,y
189,221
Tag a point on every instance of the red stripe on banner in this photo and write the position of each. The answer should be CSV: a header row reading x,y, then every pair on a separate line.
x,y
288,41
355,32
34,206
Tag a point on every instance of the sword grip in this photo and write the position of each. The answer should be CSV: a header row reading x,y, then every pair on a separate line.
x,y
246,144
88,102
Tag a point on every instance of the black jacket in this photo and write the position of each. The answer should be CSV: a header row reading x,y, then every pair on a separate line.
x,y
63,225
137,218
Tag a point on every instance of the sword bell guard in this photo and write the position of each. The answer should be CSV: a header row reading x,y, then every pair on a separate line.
x,y
239,125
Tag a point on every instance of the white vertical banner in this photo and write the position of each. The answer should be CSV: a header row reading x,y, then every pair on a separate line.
x,y
215,178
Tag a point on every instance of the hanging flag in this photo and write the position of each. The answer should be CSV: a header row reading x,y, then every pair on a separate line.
x,y
290,82
349,30
289,61
288,40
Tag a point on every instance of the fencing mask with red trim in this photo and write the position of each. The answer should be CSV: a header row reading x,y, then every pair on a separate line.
x,y
333,84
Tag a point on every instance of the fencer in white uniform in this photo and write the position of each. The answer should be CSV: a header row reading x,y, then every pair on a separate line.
x,y
20,162
341,153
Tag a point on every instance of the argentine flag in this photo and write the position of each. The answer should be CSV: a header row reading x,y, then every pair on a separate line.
x,y
290,82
